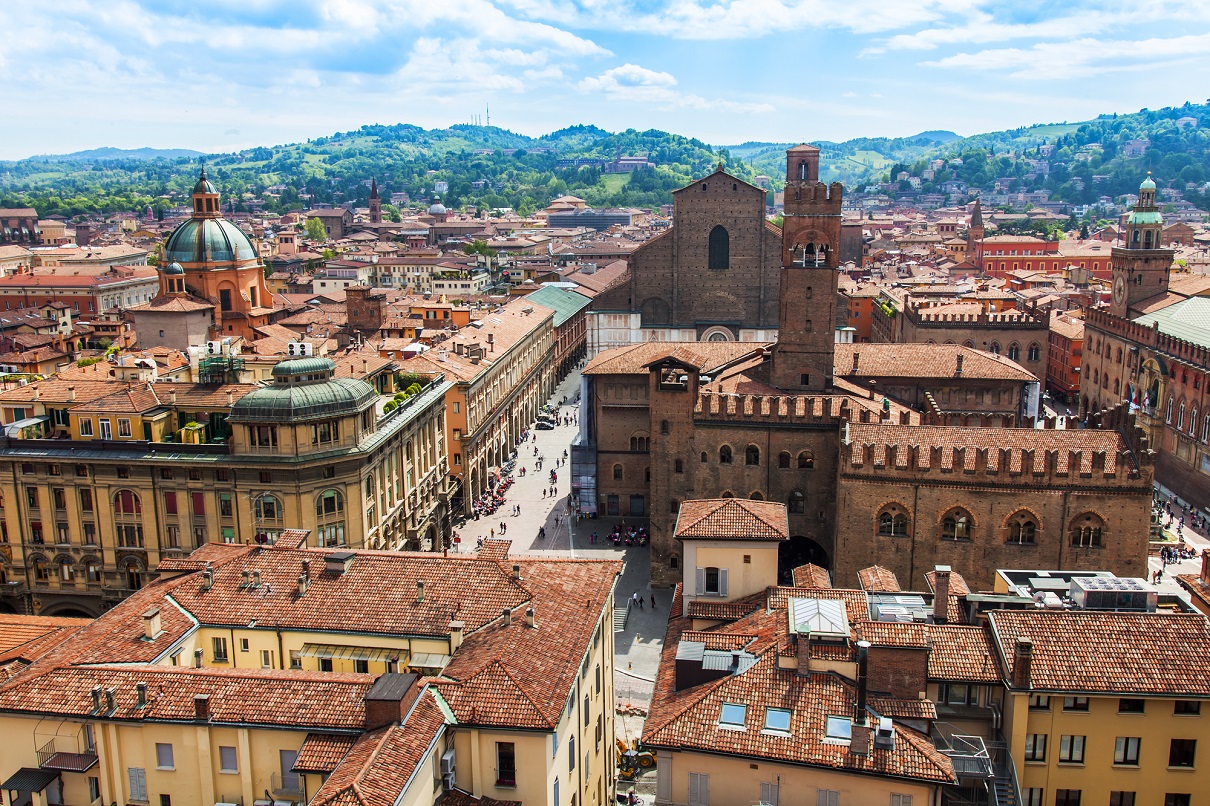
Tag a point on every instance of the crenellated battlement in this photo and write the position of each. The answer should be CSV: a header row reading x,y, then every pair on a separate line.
x,y
920,314
1149,336
824,199
1005,455
813,409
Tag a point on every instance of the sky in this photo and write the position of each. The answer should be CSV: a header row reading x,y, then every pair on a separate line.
x,y
222,75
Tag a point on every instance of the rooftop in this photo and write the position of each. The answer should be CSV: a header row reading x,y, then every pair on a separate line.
x,y
732,519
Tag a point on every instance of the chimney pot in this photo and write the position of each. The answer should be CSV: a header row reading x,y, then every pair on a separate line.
x,y
111,699
507,617
529,617
201,707
419,590
245,577
1023,654
197,658
207,579
256,579
151,624
96,699
941,594
141,690
516,572
304,582
456,628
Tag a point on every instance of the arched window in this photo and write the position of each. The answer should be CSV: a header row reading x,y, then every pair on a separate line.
x,y
370,487
617,472
1014,351
135,570
720,249
797,502
67,569
727,494
1022,529
757,495
956,525
806,460
704,457
892,523
128,518
1193,422
269,507
1118,355
783,459
663,426
1206,428
752,455
1168,412
1180,417
1117,386
1087,530
640,442
724,455
330,518
1035,352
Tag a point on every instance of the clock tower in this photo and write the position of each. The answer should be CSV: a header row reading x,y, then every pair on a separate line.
x,y
1140,266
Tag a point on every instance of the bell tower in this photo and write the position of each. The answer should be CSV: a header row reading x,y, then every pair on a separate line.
x,y
802,359
1140,267
375,203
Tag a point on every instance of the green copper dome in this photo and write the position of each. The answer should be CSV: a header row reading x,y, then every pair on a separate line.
x,y
1148,183
204,185
208,240
304,389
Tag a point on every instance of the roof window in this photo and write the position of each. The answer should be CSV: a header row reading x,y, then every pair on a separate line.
x,y
733,716
777,719
839,729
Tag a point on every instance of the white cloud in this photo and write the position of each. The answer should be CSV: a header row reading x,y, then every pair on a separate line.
x,y
630,82
628,77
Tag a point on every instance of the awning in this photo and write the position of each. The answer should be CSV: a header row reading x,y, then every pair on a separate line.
x,y
12,429
429,660
337,652
28,779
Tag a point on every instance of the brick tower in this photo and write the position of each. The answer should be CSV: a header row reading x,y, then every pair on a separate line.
x,y
810,255
375,203
1140,266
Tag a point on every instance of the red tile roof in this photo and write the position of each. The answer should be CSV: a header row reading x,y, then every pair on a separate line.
x,y
877,578
1107,652
732,519
811,576
321,752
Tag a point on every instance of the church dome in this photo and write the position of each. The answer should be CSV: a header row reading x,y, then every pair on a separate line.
x,y
1148,183
437,208
208,240
174,268
204,185
304,389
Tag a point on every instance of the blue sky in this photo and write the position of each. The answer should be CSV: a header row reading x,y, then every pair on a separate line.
x,y
219,75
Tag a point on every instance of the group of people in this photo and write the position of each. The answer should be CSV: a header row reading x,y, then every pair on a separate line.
x,y
637,601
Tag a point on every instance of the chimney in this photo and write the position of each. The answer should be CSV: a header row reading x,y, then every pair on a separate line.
x,y
201,707
256,579
456,628
111,700
941,594
151,624
529,617
365,366
304,582
207,579
506,618
419,590
516,572
71,394
959,371
1206,566
96,699
863,671
141,693
856,358
1023,655
306,566
172,396
245,578
197,658
37,394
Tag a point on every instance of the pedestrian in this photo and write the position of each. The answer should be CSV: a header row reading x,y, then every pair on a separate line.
x,y
640,603
544,492
493,531
653,601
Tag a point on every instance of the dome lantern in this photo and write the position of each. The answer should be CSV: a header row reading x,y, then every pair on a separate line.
x,y
205,198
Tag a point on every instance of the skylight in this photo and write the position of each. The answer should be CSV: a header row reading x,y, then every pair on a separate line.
x,y
777,719
733,715
840,728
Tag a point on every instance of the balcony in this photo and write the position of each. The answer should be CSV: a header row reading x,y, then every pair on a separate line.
x,y
286,786
59,754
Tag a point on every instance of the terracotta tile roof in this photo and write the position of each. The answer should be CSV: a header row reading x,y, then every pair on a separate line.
x,y
1106,652
958,586
903,709
456,797
30,637
318,700
723,641
710,609
972,438
689,719
378,766
893,633
1066,325
732,519
856,605
633,359
321,752
811,576
877,578
520,675
962,652
909,360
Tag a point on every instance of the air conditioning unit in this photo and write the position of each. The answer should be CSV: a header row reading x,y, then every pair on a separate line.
x,y
296,349
447,781
214,348
447,763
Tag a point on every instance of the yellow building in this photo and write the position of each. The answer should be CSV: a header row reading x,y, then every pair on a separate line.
x,y
502,374
1106,707
246,673
151,471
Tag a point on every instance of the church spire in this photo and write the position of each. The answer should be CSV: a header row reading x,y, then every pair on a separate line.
x,y
375,203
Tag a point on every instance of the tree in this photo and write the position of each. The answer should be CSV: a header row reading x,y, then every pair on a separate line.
x,y
315,230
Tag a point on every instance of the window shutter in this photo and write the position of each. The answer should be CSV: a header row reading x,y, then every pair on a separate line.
x,y
703,789
722,581
693,783
701,581
768,793
138,783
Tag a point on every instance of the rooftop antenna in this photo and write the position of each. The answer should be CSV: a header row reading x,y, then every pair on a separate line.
x,y
488,108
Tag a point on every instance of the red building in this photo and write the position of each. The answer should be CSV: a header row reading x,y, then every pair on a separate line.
x,y
1064,356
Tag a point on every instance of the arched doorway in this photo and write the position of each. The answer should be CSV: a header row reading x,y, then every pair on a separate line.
x,y
799,550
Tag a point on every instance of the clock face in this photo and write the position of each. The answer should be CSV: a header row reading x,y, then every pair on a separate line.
x,y
1119,290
